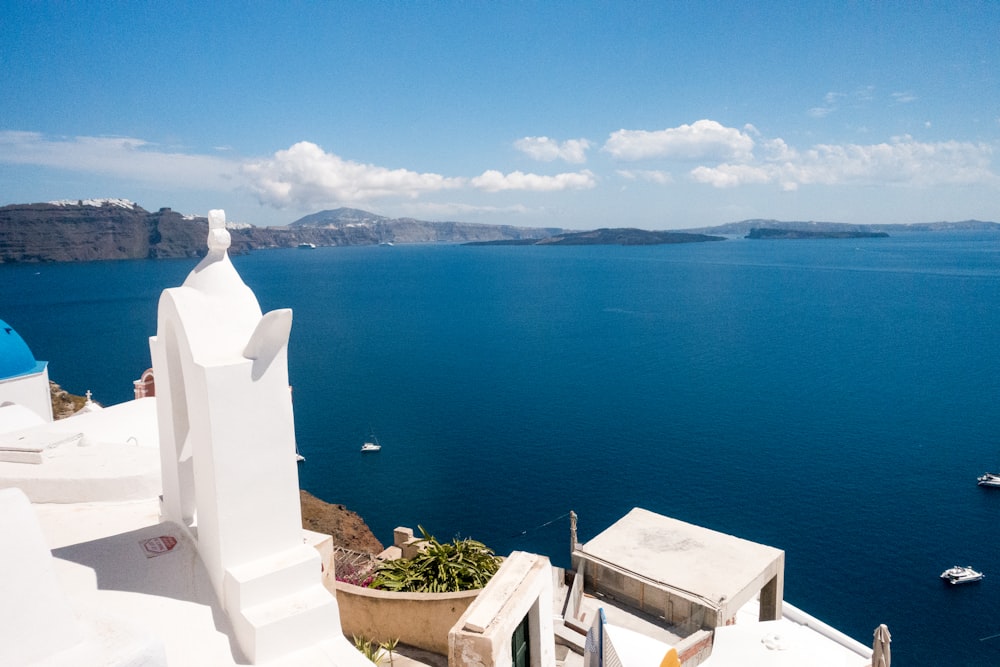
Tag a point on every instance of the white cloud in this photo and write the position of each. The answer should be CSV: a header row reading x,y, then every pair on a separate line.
x,y
547,150
305,176
899,161
455,210
776,150
832,101
651,175
124,157
703,139
732,175
904,97
495,181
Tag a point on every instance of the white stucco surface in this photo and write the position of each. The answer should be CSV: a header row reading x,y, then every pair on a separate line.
x,y
780,643
227,458
30,390
635,649
15,417
100,564
106,455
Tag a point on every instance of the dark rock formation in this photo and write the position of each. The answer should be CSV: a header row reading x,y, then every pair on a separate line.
x,y
83,232
64,404
770,234
622,236
347,528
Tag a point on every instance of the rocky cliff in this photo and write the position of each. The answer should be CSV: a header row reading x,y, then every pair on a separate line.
x,y
98,229
347,528
119,229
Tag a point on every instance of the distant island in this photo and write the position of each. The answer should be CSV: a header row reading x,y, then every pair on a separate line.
x,y
104,229
621,236
781,234
743,227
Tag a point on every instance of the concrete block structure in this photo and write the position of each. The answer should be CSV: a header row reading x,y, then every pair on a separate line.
x,y
511,620
689,576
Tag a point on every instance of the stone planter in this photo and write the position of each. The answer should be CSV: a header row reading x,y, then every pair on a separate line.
x,y
418,619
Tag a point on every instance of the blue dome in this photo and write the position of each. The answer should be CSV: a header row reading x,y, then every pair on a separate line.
x,y
15,357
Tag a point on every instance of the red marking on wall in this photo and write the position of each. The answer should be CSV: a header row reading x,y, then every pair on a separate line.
x,y
157,546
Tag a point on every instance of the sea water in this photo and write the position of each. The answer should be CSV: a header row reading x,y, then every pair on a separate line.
x,y
832,398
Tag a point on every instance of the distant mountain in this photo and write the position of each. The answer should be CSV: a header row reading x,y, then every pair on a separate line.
x,y
339,217
744,227
620,236
357,225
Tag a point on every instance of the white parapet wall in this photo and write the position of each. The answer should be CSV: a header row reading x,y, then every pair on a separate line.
x,y
521,588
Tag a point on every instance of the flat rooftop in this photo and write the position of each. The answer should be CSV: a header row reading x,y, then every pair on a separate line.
x,y
111,454
682,556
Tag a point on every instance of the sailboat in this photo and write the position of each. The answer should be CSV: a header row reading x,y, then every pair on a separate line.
x,y
372,444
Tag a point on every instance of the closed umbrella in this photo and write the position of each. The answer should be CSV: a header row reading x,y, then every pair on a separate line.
x,y
881,655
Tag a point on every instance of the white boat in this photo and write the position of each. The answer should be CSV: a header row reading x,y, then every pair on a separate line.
x,y
372,445
307,246
989,479
961,575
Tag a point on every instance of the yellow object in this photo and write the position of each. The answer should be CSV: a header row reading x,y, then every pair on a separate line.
x,y
671,659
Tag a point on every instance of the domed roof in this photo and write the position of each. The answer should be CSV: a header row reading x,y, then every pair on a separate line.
x,y
15,356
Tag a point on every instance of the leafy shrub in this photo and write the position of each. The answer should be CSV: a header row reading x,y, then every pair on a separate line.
x,y
459,565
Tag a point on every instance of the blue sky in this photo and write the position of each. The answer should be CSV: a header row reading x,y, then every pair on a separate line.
x,y
660,115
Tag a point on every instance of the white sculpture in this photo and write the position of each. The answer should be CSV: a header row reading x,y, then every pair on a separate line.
x,y
227,446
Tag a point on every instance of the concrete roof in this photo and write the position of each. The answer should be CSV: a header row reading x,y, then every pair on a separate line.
x,y
781,643
101,564
111,454
692,559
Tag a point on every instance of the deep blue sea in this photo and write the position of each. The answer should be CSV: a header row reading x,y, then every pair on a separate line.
x,y
832,398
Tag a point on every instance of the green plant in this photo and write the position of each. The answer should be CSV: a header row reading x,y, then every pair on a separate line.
x,y
459,565
390,646
369,648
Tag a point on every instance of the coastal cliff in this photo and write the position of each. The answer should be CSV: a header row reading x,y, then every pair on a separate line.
x,y
106,229
347,528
